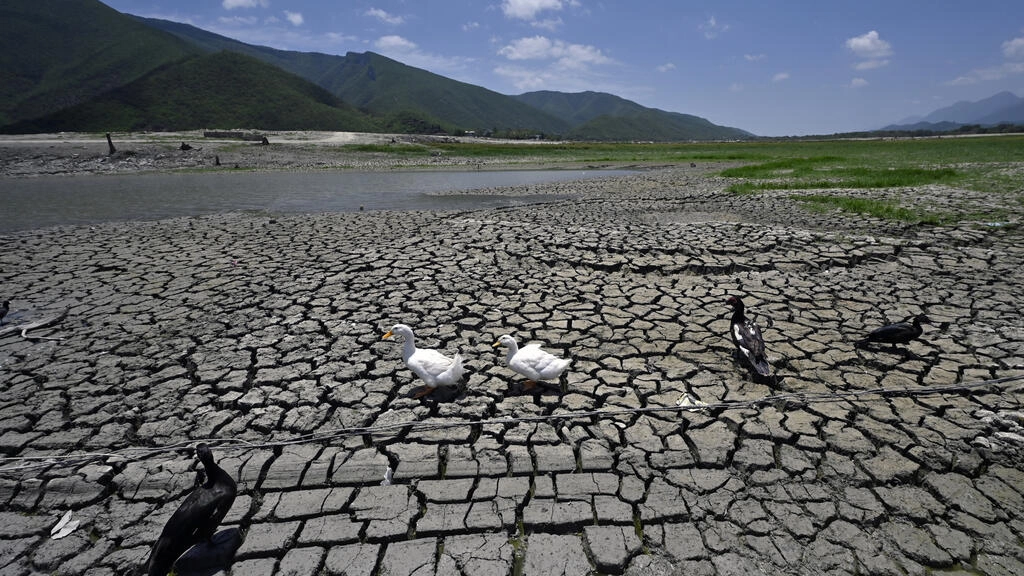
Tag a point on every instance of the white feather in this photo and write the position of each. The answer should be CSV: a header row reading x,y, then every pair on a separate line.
x,y
532,362
433,367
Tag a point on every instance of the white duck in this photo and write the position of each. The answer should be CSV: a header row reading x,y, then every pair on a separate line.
x,y
532,362
433,367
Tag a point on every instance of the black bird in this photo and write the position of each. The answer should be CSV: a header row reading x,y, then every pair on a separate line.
x,y
899,333
748,340
196,519
4,309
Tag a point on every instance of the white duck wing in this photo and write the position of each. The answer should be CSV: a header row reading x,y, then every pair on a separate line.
x,y
537,364
454,373
430,365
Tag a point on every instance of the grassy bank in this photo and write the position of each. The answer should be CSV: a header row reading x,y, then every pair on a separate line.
x,y
881,153
988,164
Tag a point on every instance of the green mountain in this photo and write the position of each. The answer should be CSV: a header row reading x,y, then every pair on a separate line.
x,y
219,90
58,53
655,125
78,65
580,107
381,84
312,66
384,86
600,116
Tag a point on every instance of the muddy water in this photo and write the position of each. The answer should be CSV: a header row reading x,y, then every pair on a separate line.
x,y
30,203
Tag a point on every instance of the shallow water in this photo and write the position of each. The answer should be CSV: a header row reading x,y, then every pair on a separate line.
x,y
30,203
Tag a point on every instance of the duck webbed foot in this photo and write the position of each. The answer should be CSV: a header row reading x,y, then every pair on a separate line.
x,y
426,390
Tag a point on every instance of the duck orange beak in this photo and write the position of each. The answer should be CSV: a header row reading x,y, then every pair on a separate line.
x,y
496,344
387,335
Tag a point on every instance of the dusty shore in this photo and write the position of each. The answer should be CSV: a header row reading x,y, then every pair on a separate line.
x,y
267,328
69,154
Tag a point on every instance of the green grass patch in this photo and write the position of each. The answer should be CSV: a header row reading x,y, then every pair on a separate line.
x,y
912,161
829,172
878,208
787,166
604,152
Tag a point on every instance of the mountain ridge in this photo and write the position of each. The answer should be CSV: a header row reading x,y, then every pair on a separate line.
x,y
48,45
391,96
603,116
218,90
1000,108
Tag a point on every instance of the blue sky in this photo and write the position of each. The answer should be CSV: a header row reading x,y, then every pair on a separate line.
x,y
772,67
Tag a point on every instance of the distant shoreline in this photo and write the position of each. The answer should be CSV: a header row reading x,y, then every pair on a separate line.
x,y
78,153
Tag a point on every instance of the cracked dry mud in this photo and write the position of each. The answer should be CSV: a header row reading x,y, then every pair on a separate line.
x,y
266,327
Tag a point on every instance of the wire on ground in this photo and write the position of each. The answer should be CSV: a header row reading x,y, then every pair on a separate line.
x,y
135,453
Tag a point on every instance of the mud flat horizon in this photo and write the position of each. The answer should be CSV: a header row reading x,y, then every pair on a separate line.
x,y
261,335
32,155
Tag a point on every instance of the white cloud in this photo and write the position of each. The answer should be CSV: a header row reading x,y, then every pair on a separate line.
x,y
871,49
407,52
238,20
536,47
858,83
232,4
339,38
541,62
1014,49
526,78
780,77
528,9
869,46
712,28
543,48
979,75
384,16
666,67
870,64
754,57
294,17
549,24
394,43
523,78
277,33
470,26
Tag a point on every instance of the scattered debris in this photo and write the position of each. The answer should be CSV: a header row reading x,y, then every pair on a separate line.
x,y
32,326
686,400
64,527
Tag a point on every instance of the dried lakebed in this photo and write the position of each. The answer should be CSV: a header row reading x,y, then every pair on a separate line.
x,y
267,329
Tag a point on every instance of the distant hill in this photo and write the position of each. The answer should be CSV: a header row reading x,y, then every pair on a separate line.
x,y
58,53
655,125
220,90
1001,108
601,116
1013,114
971,112
384,86
578,108
77,65
926,126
